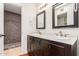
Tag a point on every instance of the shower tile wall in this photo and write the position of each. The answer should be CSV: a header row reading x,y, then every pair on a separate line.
x,y
12,27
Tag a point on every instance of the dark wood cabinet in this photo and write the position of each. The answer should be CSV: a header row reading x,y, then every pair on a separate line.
x,y
42,47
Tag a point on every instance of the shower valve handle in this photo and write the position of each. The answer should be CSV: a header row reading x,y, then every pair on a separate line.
x,y
2,35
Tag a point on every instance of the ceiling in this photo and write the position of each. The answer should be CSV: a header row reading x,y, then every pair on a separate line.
x,y
16,7
13,7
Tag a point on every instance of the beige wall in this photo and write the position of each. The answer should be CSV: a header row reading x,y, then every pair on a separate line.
x,y
28,23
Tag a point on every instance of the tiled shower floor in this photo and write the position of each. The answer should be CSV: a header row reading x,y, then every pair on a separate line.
x,y
12,45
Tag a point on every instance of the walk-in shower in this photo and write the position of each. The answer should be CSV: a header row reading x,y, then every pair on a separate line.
x,y
12,26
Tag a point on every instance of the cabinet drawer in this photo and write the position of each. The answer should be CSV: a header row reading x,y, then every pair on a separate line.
x,y
56,50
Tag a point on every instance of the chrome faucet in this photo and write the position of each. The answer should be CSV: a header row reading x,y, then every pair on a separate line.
x,y
61,34
39,32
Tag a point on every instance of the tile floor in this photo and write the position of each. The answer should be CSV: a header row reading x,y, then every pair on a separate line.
x,y
13,52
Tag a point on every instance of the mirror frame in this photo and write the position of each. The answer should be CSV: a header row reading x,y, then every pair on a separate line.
x,y
53,18
44,17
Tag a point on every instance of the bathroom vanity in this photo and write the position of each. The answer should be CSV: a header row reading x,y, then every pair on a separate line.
x,y
49,45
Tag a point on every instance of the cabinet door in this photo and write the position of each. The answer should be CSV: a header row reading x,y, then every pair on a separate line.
x,y
57,50
44,48
31,45
37,50
34,46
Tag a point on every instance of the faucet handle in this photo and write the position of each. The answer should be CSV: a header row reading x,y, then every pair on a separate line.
x,y
56,34
66,35
61,33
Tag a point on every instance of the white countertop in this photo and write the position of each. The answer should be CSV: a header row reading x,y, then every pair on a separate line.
x,y
67,40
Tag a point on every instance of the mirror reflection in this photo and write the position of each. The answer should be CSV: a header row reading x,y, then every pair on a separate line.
x,y
65,15
62,19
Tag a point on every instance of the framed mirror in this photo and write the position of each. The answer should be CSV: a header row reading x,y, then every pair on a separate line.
x,y
65,15
40,20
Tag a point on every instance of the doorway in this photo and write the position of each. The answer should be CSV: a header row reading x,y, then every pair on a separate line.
x,y
12,28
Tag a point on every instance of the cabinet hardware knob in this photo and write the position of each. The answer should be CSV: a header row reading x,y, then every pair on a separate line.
x,y
49,46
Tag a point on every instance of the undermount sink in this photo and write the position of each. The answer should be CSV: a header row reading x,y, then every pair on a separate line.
x,y
52,37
